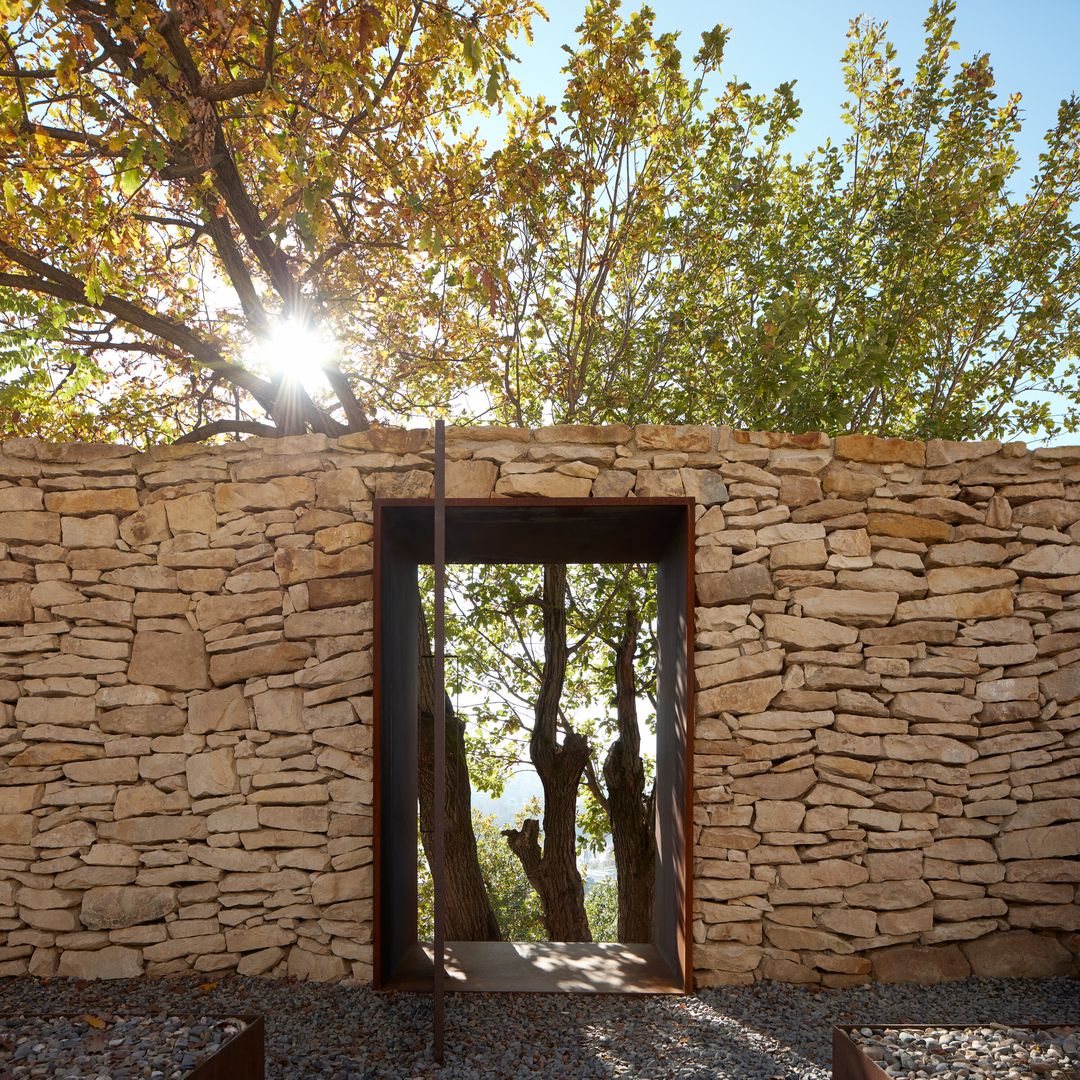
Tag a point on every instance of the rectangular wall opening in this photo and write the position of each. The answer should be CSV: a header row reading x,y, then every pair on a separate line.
x,y
589,531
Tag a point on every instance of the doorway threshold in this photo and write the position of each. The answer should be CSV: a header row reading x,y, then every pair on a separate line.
x,y
539,967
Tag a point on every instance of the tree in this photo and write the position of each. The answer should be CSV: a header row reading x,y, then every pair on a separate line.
x,y
663,261
236,168
469,912
516,905
509,656
602,907
552,867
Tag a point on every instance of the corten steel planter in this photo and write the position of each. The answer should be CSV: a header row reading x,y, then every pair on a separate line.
x,y
243,1057
851,1063
240,1058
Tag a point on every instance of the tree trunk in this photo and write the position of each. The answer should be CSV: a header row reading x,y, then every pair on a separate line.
x,y
469,914
630,809
553,871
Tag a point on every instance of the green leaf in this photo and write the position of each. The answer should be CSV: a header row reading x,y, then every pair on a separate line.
x,y
11,203
130,180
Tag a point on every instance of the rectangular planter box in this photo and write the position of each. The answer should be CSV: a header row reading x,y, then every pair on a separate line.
x,y
850,1063
240,1058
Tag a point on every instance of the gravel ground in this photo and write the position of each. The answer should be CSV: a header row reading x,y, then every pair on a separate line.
x,y
767,1032
108,1046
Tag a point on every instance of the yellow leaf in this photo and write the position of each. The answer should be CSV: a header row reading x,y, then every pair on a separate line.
x,y
94,1021
11,204
208,986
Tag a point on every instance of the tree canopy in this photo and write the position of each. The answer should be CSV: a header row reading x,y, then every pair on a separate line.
x,y
181,181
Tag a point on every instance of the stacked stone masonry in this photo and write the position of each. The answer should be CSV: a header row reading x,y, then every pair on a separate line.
x,y
887,755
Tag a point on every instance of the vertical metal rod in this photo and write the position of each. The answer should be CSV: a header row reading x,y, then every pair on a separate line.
x,y
438,869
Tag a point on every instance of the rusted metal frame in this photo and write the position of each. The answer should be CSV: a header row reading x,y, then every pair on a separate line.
x,y
380,506
850,1061
438,868
688,789
241,1057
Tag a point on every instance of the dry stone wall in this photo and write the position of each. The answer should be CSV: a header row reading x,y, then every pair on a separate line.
x,y
887,758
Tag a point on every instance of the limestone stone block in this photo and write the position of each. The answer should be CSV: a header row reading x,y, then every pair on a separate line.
x,y
212,773
1048,842
280,711
727,956
113,906
191,513
340,488
142,799
742,667
938,748
955,579
158,829
29,527
143,720
313,819
314,967
112,962
350,885
919,964
854,922
879,451
931,706
855,607
295,565
213,611
889,895
250,938
75,712
339,537
697,439
148,525
258,963
282,656
123,500
545,484
802,554
1013,954
1062,686
473,479
173,661
984,605
277,494
415,484
102,530
21,498
825,873
908,526
704,486
746,697
218,710
807,633
737,585
776,785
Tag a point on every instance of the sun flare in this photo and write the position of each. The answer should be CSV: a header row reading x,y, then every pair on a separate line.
x,y
298,351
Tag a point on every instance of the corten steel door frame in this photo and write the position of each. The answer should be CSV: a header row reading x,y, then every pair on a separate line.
x,y
529,530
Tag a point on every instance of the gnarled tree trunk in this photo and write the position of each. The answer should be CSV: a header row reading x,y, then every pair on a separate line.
x,y
469,914
630,809
553,871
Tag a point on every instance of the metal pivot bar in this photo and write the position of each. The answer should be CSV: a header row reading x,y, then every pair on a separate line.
x,y
438,867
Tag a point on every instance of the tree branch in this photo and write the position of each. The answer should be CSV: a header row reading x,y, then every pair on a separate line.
x,y
222,427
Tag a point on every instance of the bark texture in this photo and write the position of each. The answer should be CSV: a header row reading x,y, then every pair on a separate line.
x,y
553,870
629,807
469,914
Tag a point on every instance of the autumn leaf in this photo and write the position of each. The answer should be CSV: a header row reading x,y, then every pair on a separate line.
x,y
94,1021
